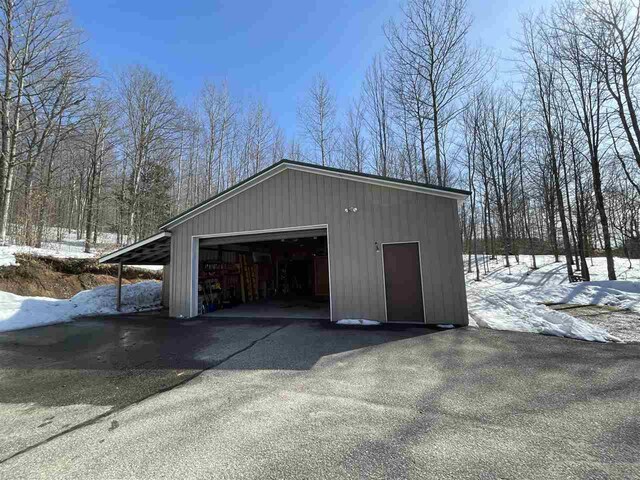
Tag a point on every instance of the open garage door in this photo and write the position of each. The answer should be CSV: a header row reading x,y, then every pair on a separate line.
x,y
266,274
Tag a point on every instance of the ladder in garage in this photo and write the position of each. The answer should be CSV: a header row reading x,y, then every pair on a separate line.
x,y
248,281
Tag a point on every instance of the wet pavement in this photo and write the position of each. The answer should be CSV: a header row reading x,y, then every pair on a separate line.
x,y
59,377
108,398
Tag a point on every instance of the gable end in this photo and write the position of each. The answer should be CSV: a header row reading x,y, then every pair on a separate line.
x,y
275,169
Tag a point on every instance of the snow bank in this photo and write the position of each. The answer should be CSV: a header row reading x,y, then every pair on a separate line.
x,y
357,321
7,257
549,283
18,312
512,299
500,311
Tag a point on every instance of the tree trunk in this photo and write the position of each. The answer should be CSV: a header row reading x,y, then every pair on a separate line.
x,y
563,220
604,221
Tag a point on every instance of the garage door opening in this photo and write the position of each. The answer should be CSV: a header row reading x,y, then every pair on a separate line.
x,y
272,275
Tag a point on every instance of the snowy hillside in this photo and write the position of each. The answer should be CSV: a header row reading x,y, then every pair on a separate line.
x,y
513,299
68,247
17,312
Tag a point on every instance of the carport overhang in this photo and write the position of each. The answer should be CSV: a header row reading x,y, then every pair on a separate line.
x,y
153,250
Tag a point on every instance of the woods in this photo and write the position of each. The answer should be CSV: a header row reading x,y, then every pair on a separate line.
x,y
553,147
551,155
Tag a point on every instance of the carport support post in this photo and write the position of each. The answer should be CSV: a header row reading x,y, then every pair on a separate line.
x,y
119,287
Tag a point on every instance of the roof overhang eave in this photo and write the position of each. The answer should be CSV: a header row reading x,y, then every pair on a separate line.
x,y
145,251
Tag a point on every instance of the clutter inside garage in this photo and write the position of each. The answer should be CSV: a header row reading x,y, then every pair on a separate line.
x,y
287,272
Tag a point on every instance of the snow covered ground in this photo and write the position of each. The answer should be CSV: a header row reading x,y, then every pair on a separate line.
x,y
18,312
68,247
512,299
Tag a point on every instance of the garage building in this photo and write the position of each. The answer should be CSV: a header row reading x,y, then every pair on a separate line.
x,y
303,240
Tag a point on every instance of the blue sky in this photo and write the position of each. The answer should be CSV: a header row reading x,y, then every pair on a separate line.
x,y
266,49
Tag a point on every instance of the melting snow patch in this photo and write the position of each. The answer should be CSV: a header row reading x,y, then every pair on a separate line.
x,y
445,325
501,311
357,321
7,257
512,299
18,312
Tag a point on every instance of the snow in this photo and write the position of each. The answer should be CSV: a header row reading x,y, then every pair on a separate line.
x,y
8,253
68,247
7,257
17,312
512,299
505,311
357,321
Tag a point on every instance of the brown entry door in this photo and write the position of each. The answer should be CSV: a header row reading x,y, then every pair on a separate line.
x,y
403,283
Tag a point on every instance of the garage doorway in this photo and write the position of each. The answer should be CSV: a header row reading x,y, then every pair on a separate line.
x,y
268,274
403,282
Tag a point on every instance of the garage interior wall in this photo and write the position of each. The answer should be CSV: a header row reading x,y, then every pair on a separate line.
x,y
293,198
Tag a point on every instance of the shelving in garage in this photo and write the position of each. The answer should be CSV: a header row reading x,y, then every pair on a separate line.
x,y
264,276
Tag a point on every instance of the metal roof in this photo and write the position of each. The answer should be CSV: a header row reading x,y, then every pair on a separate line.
x,y
153,250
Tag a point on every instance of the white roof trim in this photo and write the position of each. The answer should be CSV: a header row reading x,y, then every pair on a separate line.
x,y
133,246
460,197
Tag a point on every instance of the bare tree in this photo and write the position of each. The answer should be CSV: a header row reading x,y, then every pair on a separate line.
x,y
317,116
260,136
537,66
354,137
612,33
294,151
40,51
99,142
471,121
410,92
375,93
218,113
431,43
497,143
148,110
585,91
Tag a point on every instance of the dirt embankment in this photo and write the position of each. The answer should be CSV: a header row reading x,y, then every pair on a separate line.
x,y
63,278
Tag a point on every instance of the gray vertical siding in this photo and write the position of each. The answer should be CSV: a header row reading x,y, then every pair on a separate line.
x,y
293,198
166,282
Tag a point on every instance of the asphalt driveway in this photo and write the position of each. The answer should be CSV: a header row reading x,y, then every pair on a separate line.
x,y
147,397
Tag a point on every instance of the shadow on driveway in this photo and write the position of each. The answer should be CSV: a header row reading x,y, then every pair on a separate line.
x,y
298,399
117,360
